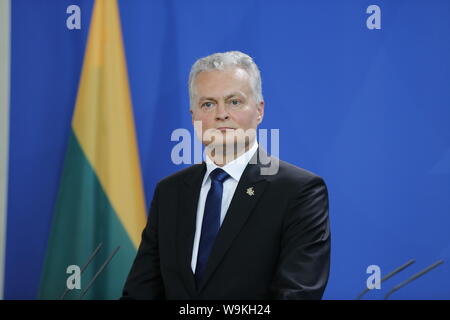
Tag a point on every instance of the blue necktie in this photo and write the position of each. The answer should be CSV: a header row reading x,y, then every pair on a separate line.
x,y
211,221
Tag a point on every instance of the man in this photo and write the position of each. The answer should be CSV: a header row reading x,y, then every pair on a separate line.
x,y
223,229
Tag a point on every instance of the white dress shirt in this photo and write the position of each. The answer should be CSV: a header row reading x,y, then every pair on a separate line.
x,y
235,169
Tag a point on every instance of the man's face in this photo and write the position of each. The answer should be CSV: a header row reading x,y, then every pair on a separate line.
x,y
224,102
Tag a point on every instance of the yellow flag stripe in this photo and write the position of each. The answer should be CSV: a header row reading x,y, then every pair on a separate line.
x,y
103,120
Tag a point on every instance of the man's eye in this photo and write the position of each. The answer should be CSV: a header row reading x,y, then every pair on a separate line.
x,y
235,102
207,104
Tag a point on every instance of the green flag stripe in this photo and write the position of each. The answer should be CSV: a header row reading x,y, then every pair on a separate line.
x,y
83,218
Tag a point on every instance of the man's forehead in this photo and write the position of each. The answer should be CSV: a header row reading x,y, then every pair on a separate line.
x,y
232,79
234,73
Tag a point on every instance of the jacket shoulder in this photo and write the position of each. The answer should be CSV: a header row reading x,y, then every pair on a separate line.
x,y
186,173
294,176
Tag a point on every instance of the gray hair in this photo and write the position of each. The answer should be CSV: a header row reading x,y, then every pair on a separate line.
x,y
220,61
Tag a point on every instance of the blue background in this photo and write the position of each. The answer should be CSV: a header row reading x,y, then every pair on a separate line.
x,y
368,110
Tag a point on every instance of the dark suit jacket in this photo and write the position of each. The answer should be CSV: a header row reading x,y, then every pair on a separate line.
x,y
274,244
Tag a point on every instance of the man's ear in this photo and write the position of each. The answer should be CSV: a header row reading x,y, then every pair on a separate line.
x,y
260,108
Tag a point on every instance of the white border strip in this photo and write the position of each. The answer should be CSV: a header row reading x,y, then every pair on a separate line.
x,y
5,16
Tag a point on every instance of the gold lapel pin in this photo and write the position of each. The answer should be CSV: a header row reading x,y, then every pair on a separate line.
x,y
250,191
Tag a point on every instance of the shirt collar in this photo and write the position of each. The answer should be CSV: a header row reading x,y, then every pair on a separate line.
x,y
234,168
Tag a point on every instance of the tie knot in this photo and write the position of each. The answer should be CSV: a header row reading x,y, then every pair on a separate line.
x,y
219,175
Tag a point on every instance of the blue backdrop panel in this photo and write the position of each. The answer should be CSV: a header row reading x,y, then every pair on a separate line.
x,y
368,110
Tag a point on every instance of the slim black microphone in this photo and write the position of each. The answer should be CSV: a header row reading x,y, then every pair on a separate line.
x,y
99,271
93,254
410,262
414,277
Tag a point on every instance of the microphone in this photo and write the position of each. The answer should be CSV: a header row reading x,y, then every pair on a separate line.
x,y
99,271
410,262
414,277
93,254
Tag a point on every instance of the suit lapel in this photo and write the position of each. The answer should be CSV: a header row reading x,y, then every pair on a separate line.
x,y
248,192
186,220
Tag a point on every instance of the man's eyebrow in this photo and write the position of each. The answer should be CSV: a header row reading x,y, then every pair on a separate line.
x,y
235,94
206,98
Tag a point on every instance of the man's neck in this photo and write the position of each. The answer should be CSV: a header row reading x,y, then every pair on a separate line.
x,y
226,154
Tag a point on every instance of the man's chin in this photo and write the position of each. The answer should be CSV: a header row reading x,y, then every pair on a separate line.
x,y
228,147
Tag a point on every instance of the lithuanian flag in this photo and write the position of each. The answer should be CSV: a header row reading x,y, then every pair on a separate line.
x,y
101,197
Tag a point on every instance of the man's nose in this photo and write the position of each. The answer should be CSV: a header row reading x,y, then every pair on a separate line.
x,y
221,112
